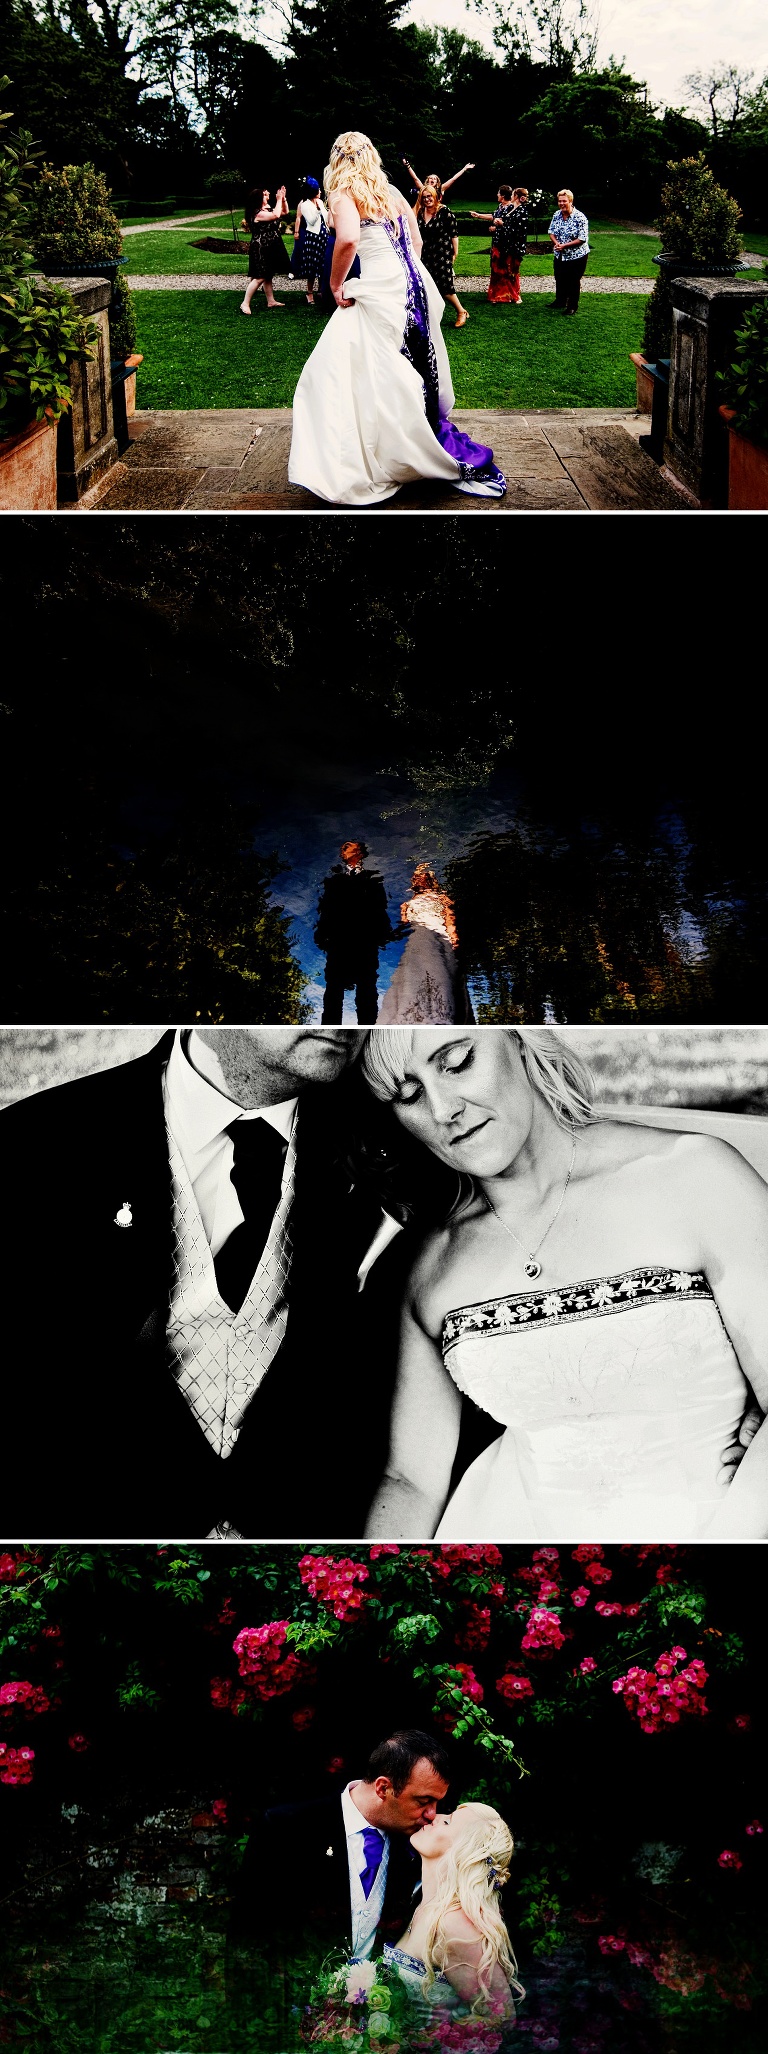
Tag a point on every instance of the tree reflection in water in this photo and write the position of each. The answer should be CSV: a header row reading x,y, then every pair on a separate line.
x,y
599,924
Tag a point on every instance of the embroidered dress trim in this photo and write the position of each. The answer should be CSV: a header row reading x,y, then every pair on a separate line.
x,y
400,1954
589,1300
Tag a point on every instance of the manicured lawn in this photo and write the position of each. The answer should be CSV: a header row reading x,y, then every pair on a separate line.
x,y
172,250
754,240
614,255
199,352
611,256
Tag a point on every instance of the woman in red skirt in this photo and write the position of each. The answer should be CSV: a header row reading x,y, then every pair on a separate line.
x,y
509,230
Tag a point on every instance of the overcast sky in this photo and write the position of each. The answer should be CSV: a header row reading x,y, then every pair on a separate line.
x,y
662,40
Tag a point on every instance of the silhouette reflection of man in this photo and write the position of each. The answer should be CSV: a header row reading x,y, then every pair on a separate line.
x,y
352,925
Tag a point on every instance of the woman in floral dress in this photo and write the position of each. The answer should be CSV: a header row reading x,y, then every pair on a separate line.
x,y
440,245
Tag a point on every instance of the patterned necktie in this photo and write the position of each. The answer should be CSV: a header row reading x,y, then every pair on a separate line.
x,y
373,1849
257,1175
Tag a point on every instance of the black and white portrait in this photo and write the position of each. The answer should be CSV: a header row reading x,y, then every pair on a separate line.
x,y
456,1282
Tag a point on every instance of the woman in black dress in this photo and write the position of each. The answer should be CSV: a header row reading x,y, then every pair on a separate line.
x,y
440,245
267,252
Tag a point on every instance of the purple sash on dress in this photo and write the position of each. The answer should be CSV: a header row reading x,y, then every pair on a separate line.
x,y
474,459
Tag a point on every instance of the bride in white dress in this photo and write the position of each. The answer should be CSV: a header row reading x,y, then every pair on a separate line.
x,y
455,1956
599,1288
371,410
427,984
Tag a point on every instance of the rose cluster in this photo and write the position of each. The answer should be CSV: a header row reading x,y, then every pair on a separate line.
x,y
543,1631
660,1696
28,1698
333,1580
270,1666
474,1631
513,1686
16,1763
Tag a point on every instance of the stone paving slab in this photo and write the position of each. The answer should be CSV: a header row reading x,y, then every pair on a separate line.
x,y
236,461
611,471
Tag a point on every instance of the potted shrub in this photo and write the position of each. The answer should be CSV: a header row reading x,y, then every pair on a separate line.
x,y
40,331
745,386
698,223
75,232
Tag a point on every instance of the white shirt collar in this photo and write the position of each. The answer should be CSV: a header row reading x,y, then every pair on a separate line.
x,y
354,1820
199,1113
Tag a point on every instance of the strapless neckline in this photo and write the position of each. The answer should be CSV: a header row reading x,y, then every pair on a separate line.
x,y
587,1299
618,1395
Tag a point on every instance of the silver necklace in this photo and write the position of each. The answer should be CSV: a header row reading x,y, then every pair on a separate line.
x,y
531,1267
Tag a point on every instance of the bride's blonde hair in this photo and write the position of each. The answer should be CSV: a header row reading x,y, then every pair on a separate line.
x,y
355,168
551,1066
471,1875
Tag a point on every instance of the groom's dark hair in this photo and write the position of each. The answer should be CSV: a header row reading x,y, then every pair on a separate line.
x,y
397,1758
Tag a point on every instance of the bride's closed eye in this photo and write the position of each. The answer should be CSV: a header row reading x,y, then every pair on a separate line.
x,y
451,1060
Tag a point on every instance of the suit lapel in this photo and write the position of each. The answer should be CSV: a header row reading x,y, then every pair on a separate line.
x,y
129,1201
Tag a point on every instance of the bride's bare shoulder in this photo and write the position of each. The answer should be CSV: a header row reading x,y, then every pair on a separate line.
x,y
689,1159
456,1925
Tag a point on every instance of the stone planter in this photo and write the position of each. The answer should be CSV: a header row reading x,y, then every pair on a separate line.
x,y
28,470
644,377
747,469
131,365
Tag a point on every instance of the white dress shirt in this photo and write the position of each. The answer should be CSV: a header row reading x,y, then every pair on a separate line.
x,y
366,1911
198,1114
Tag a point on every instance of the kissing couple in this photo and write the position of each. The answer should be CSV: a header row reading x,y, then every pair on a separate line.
x,y
274,1281
406,1889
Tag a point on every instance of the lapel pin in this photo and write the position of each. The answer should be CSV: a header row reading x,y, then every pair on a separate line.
x,y
124,1218
329,1850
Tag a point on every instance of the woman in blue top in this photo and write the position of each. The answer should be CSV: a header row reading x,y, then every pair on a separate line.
x,y
569,234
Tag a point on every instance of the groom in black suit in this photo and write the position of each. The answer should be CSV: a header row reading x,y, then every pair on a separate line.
x,y
358,1875
186,1338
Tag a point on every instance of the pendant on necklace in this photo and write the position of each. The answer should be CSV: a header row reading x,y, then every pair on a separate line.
x,y
532,1269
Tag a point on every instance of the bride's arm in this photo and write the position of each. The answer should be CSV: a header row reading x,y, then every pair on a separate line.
x,y
346,222
424,1436
732,1204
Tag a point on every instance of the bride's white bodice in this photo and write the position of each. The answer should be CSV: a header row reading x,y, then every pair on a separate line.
x,y
427,909
411,1971
619,1396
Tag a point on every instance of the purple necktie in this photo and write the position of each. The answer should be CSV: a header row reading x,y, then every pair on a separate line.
x,y
373,1849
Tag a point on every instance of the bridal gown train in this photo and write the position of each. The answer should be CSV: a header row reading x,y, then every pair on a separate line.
x,y
428,986
371,408
618,1396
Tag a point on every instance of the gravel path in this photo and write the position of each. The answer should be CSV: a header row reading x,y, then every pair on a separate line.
x,y
174,221
225,281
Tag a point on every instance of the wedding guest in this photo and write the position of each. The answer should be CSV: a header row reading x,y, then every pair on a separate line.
x,y
310,231
569,235
267,252
433,178
509,231
440,245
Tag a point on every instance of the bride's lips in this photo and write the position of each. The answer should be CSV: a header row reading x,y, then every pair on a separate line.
x,y
459,1139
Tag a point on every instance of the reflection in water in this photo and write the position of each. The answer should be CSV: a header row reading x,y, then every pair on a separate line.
x,y
427,984
352,925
